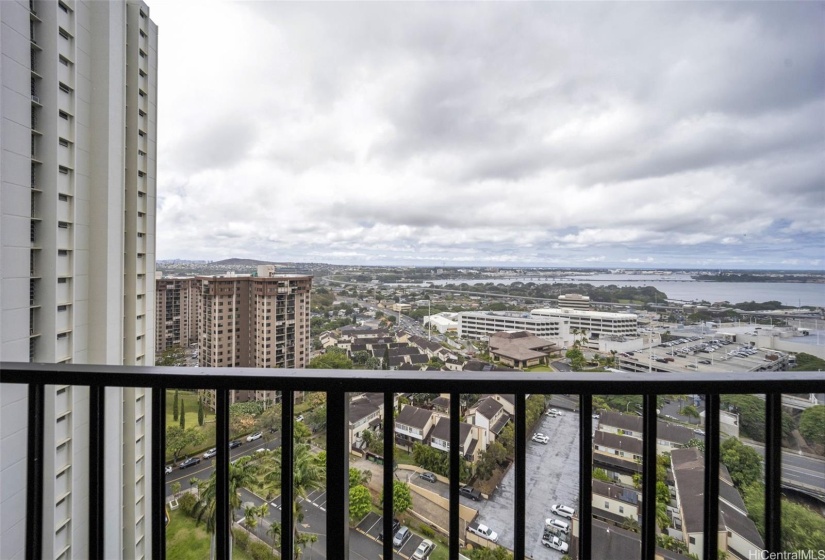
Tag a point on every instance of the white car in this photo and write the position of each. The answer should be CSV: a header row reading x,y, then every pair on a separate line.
x,y
424,549
555,542
168,469
540,438
562,511
253,437
485,531
210,453
553,523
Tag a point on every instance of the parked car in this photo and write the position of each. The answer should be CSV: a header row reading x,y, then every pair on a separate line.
x,y
554,542
253,437
210,453
540,438
401,537
553,412
484,531
396,524
428,476
189,462
235,443
424,549
300,418
168,469
562,510
553,523
470,492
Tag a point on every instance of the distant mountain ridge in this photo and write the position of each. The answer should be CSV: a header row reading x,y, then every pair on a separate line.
x,y
240,262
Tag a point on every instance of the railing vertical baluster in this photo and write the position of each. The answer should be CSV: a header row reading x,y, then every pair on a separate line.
x,y
34,473
455,464
97,441
585,475
712,460
389,464
521,484
649,479
287,474
337,470
158,471
773,472
223,523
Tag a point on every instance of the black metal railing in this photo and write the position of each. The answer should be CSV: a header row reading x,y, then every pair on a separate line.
x,y
338,383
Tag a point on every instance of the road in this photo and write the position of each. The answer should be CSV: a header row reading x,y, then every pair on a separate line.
x,y
203,470
797,469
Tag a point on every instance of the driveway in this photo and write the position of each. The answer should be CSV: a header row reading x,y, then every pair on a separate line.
x,y
552,477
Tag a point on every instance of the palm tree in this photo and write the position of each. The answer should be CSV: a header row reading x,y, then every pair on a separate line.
x,y
274,531
241,473
194,482
308,472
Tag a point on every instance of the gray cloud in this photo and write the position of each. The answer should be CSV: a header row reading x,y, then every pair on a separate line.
x,y
544,133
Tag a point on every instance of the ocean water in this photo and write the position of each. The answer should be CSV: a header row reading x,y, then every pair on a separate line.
x,y
682,287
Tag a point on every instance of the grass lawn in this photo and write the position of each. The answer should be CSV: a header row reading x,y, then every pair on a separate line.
x,y
539,368
190,408
187,541
403,457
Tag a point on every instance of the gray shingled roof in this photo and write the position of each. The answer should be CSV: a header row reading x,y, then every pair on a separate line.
x,y
442,430
488,407
615,441
413,416
689,472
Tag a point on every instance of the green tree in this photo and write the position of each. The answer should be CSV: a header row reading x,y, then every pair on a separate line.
x,y
742,462
182,417
241,474
401,497
309,473
333,358
274,532
200,412
691,412
697,443
601,474
576,357
175,488
812,424
177,439
361,477
175,407
360,502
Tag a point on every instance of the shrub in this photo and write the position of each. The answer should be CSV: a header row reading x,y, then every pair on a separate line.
x,y
187,503
427,531
260,551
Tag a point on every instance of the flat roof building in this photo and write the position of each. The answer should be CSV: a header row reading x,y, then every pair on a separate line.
x,y
593,324
480,325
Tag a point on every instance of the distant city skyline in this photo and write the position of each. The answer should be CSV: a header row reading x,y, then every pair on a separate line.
x,y
616,135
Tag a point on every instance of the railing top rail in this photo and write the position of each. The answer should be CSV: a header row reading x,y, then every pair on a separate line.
x,y
419,381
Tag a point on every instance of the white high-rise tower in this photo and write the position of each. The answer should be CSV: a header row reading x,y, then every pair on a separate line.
x,y
78,126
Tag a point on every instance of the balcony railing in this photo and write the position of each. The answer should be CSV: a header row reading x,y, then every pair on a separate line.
x,y
338,383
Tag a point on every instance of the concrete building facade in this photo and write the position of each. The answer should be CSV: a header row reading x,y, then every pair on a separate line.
x,y
480,325
78,127
253,321
593,324
176,313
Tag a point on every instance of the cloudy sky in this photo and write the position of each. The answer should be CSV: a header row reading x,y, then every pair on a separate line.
x,y
546,134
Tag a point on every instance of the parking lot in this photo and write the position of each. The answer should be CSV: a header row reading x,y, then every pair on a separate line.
x,y
552,477
371,526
